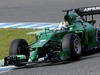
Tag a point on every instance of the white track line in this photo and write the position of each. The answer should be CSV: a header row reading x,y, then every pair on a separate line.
x,y
6,68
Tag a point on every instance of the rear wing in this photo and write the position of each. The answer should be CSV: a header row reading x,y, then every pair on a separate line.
x,y
92,10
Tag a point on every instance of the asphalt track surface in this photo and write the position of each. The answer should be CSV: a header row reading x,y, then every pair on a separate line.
x,y
49,11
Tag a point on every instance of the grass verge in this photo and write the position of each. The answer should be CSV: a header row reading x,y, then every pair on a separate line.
x,y
8,35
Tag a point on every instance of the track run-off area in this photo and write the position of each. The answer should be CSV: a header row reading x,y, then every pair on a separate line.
x,y
33,25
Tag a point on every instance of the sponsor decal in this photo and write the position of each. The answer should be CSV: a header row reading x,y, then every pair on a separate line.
x,y
41,41
92,8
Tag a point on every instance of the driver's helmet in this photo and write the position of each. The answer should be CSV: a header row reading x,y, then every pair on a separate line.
x,y
64,23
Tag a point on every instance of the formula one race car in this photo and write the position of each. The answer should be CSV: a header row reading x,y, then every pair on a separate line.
x,y
57,45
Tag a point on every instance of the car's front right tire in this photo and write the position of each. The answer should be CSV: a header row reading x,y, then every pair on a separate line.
x,y
19,46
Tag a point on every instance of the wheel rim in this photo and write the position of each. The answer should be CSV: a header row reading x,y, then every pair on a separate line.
x,y
77,46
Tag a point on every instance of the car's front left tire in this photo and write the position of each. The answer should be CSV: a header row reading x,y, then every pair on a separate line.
x,y
72,43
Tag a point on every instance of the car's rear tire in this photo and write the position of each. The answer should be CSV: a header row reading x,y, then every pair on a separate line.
x,y
19,46
72,43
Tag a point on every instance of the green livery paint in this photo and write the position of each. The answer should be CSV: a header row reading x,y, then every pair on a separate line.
x,y
21,56
34,55
64,55
81,36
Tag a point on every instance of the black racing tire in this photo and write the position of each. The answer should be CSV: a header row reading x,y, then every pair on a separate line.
x,y
19,46
72,43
